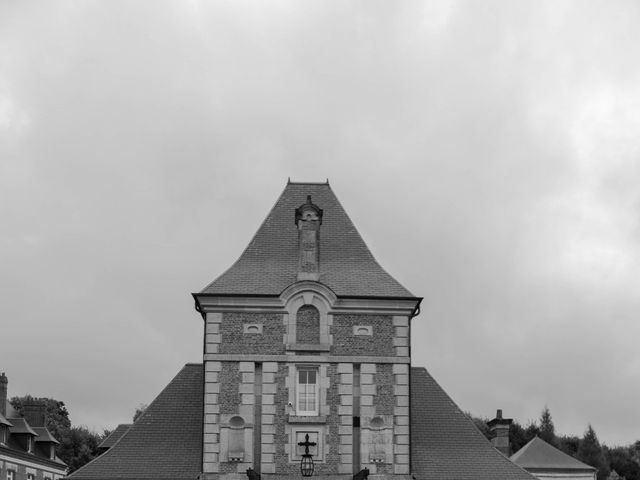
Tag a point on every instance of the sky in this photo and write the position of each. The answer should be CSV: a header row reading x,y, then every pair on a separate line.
x,y
488,153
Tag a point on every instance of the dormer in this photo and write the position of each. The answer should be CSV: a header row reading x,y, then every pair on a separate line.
x,y
23,434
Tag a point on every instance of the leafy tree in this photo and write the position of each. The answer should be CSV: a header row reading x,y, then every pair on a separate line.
x,y
569,444
139,411
547,429
79,447
624,462
591,453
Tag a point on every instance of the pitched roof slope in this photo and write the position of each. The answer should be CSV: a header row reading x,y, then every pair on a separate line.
x,y
114,436
445,444
164,443
269,264
539,455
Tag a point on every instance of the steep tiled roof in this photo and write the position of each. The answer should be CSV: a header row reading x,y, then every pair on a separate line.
x,y
44,435
539,455
114,436
445,444
164,443
269,264
20,425
4,421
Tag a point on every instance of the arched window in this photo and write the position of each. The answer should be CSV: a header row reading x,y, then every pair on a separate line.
x,y
308,325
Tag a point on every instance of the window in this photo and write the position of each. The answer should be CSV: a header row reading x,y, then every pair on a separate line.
x,y
3,434
29,444
11,475
30,476
307,391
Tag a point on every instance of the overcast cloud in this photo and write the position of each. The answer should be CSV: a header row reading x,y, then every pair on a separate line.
x,y
488,152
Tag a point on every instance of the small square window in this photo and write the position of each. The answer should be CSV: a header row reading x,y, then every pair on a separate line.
x,y
11,475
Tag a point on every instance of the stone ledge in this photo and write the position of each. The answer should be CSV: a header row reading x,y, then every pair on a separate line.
x,y
307,419
308,347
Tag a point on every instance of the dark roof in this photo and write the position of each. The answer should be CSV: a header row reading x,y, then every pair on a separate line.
x,y
269,264
164,443
539,455
44,435
114,436
4,421
445,443
20,425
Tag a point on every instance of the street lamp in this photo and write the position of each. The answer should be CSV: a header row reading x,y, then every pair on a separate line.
x,y
306,462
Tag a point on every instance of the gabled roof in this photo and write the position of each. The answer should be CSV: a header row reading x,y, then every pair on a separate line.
x,y
164,443
114,436
539,455
269,264
445,444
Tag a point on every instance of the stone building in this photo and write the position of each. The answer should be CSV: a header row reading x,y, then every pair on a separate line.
x,y
27,448
306,340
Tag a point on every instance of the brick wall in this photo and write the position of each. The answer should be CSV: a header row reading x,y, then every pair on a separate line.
x,y
234,339
378,343
308,325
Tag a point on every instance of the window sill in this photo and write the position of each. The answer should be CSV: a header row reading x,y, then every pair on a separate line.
x,y
308,347
307,419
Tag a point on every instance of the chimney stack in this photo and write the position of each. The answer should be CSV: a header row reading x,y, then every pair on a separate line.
x,y
308,221
35,413
3,394
500,428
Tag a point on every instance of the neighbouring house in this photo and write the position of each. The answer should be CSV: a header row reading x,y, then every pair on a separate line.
x,y
546,462
306,367
27,448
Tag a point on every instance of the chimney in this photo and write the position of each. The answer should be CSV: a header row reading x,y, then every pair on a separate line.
x,y
499,427
35,413
308,221
3,394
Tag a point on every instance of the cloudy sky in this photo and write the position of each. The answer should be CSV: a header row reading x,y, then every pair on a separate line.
x,y
488,152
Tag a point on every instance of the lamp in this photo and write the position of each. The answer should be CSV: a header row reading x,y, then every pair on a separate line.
x,y
306,462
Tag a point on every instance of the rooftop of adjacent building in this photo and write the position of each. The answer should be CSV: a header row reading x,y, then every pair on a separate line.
x,y
540,455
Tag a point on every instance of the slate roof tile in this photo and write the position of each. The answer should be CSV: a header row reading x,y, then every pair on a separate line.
x,y
445,444
269,263
539,455
114,436
164,443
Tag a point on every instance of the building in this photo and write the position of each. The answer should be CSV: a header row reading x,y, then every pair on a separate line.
x,y
306,349
27,448
546,461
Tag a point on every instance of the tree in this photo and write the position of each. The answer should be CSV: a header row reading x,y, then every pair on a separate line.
x,y
547,429
590,452
139,411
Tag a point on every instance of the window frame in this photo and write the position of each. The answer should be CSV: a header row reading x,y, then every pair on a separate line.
x,y
299,391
